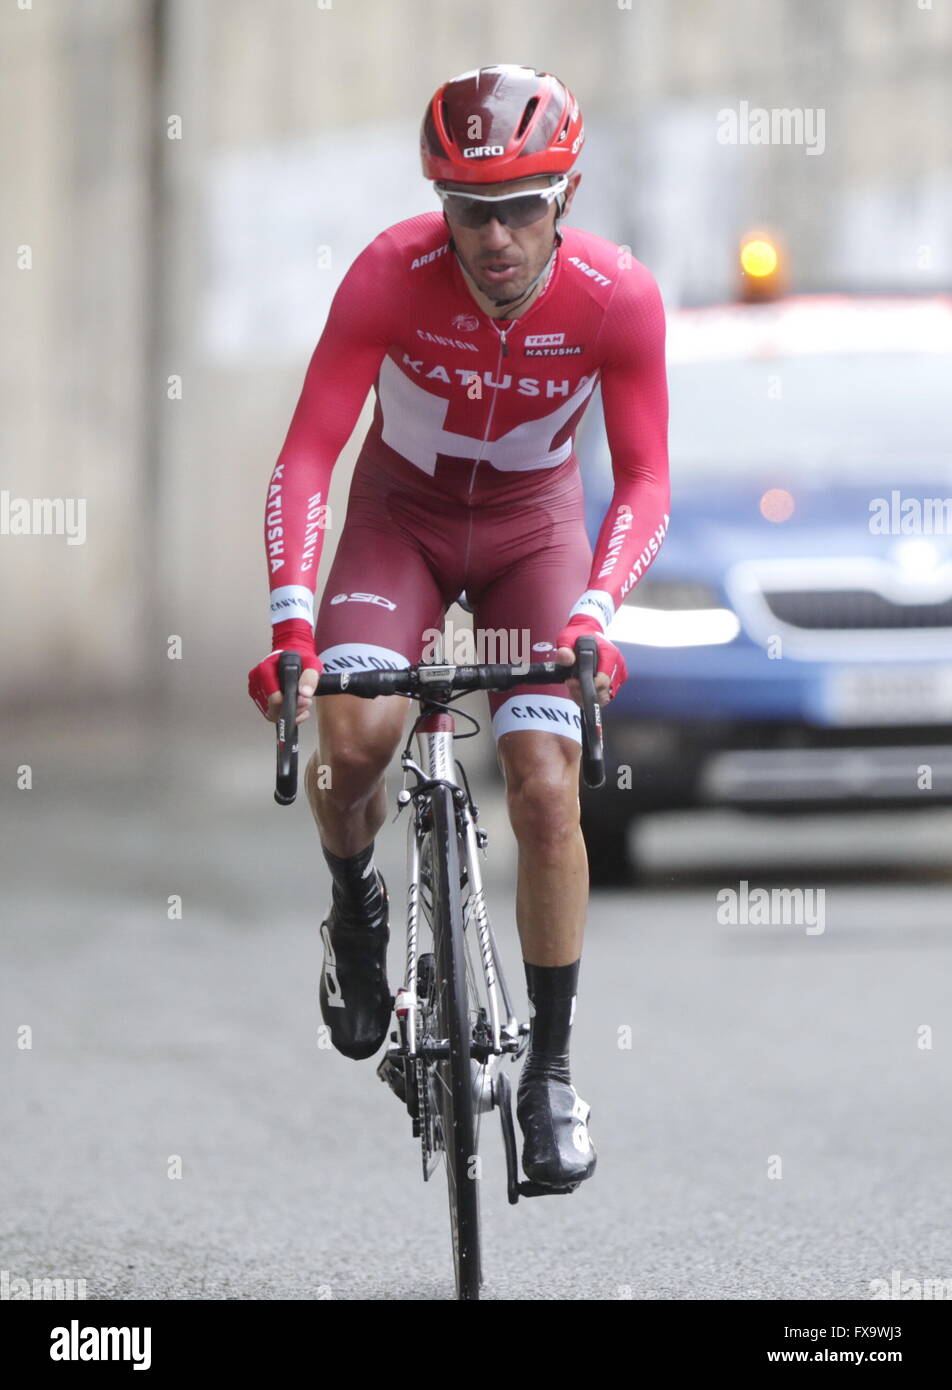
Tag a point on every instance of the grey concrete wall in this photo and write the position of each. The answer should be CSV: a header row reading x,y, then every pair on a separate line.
x,y
72,387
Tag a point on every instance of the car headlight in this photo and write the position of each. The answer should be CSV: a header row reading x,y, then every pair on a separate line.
x,y
673,594
673,613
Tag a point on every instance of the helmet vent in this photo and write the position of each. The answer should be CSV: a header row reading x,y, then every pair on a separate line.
x,y
527,115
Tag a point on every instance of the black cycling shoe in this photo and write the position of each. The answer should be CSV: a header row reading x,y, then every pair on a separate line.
x,y
558,1150
356,1003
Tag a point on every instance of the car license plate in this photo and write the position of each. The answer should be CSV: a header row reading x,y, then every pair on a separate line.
x,y
861,695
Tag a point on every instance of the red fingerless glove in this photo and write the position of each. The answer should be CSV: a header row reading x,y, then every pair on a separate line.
x,y
610,660
291,635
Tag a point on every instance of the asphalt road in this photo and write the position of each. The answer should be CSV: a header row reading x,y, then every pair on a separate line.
x,y
773,1130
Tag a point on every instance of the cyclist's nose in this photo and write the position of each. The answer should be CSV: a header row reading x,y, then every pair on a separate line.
x,y
495,235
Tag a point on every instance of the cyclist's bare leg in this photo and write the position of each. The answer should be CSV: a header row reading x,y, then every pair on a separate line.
x,y
344,778
345,787
541,772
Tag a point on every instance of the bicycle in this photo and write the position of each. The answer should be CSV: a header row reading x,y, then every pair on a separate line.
x,y
454,1013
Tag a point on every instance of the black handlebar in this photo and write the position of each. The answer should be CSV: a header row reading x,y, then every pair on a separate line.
x,y
420,680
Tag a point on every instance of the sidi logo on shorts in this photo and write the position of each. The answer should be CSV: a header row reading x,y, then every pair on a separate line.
x,y
378,599
75,1343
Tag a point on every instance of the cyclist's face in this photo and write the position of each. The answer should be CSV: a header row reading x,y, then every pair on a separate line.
x,y
504,260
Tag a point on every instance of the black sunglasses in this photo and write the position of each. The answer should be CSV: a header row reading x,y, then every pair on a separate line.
x,y
473,210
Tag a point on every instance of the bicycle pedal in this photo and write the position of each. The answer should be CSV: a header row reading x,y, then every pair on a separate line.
x,y
392,1074
538,1189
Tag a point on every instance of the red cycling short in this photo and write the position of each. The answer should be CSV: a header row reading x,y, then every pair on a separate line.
x,y
405,555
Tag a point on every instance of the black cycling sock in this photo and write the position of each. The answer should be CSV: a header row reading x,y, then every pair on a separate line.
x,y
552,990
357,892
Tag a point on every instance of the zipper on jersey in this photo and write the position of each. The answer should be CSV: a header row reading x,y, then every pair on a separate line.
x,y
503,350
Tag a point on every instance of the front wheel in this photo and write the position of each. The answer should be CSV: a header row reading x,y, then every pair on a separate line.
x,y
454,1083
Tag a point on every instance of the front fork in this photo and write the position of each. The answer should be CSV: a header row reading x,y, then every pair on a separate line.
x,y
434,732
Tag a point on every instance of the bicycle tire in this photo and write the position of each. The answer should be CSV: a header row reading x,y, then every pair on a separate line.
x,y
455,1086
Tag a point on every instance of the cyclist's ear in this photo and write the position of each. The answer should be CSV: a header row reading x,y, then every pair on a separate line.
x,y
574,181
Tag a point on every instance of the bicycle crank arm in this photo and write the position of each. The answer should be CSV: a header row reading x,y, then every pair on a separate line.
x,y
502,1099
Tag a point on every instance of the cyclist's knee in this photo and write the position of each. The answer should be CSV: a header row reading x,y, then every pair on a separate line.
x,y
542,794
352,759
346,774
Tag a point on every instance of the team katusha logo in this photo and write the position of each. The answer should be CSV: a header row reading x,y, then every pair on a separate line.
x,y
467,323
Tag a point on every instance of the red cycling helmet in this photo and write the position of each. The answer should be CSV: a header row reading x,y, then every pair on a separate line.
x,y
500,123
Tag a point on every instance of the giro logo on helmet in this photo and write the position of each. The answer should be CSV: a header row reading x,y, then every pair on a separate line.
x,y
481,151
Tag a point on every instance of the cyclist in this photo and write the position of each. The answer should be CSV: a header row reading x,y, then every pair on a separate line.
x,y
484,332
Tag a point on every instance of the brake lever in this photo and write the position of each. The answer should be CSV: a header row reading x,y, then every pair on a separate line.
x,y
593,751
289,675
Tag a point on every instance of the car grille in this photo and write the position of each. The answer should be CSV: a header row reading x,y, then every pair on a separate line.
x,y
856,609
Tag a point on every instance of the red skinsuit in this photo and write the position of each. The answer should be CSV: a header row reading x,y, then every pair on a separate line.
x,y
467,477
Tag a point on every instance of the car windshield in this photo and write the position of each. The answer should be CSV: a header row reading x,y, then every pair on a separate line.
x,y
849,413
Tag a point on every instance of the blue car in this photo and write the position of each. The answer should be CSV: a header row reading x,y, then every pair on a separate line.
x,y
791,647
